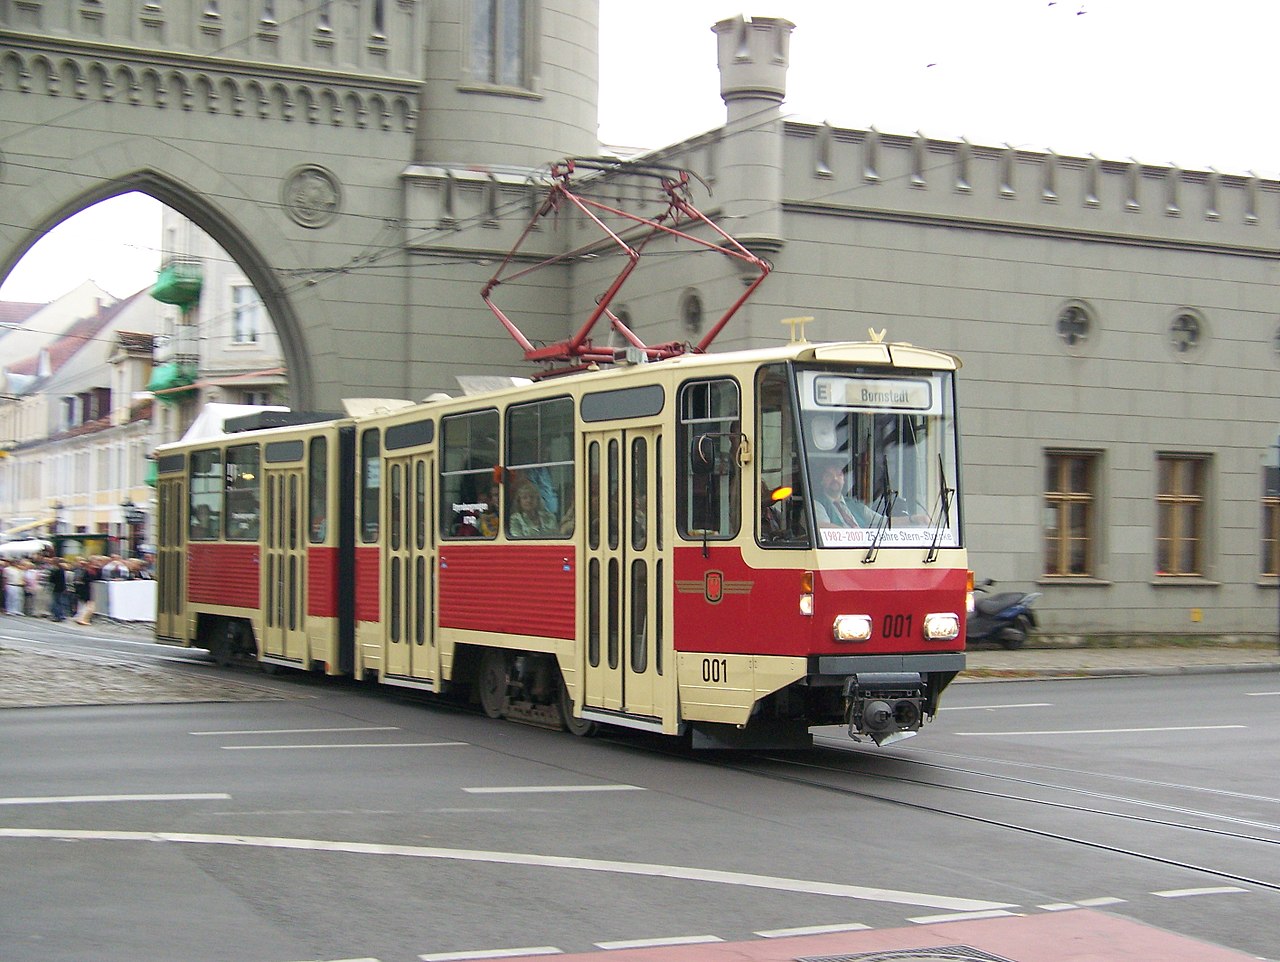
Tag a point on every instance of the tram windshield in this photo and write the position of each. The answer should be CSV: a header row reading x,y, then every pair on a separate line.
x,y
874,464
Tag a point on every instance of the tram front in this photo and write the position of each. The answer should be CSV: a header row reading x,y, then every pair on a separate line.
x,y
853,589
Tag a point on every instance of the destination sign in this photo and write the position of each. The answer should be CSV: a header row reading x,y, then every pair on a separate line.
x,y
907,395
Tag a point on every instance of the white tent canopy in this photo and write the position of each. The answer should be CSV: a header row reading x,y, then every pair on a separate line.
x,y
209,423
12,550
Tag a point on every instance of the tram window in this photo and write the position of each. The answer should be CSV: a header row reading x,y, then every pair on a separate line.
x,y
614,601
397,503
593,495
614,506
540,469
204,488
639,615
659,616
294,520
657,493
783,517
420,505
708,476
370,484
639,494
317,488
244,492
468,488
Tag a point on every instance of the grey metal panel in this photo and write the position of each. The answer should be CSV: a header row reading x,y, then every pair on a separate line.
x,y
857,664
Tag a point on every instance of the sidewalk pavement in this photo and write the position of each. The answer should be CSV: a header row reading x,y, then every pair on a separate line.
x,y
33,676
1048,660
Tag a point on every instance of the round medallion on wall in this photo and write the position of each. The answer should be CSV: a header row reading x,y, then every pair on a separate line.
x,y
691,311
1075,326
311,196
1187,332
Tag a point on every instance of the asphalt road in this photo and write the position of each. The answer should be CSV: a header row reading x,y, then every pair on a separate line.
x,y
310,820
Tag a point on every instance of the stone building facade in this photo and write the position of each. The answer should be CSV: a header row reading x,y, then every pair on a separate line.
x,y
366,162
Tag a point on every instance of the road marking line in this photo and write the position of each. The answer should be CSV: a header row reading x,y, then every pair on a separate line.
x,y
654,943
960,916
534,789
1058,906
1259,694
812,930
1112,731
71,799
1184,893
1030,704
268,748
297,731
491,954
640,869
1105,900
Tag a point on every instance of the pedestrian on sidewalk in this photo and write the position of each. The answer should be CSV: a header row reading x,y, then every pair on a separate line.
x,y
14,588
58,589
89,573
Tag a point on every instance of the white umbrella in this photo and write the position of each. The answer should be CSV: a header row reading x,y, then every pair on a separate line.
x,y
25,548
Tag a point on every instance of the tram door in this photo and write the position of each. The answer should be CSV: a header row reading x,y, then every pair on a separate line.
x,y
409,586
171,558
284,564
625,559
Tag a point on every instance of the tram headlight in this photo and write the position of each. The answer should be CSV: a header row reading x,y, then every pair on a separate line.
x,y
941,626
852,628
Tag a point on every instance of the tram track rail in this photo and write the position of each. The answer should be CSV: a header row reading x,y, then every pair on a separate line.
x,y
745,764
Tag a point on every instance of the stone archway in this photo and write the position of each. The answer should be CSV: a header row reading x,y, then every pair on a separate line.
x,y
245,249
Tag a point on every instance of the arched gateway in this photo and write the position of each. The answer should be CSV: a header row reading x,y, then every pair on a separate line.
x,y
324,146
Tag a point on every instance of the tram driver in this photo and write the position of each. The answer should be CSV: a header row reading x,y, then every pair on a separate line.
x,y
833,507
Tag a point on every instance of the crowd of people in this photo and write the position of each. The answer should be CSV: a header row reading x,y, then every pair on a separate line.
x,y
46,586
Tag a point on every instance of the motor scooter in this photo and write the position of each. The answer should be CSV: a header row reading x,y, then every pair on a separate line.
x,y
1005,618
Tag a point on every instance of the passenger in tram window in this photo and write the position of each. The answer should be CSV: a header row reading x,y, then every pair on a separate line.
x,y
488,518
529,516
204,524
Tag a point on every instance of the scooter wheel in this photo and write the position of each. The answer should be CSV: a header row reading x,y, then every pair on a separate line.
x,y
1013,637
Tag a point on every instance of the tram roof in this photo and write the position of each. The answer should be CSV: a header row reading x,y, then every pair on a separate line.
x,y
870,353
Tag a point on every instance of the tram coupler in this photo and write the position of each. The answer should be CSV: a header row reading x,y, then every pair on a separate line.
x,y
886,706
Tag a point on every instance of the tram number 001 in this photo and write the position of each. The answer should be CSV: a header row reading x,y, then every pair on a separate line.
x,y
896,626
715,670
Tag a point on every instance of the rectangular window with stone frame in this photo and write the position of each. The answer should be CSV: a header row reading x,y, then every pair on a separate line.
x,y
1181,502
499,49
1070,513
246,310
1271,521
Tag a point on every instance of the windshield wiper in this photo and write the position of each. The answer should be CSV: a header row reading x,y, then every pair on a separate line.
x,y
944,515
884,507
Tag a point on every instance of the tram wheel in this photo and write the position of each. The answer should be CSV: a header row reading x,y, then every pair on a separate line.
x,y
492,683
574,726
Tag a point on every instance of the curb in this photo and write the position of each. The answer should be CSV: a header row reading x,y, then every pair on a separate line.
x,y
981,675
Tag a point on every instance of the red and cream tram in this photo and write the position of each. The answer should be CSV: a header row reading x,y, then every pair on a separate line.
x,y
645,547
735,547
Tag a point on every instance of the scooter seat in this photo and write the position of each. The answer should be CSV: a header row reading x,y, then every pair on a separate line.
x,y
994,604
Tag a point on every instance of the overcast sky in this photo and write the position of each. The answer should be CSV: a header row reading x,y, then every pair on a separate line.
x,y
1163,81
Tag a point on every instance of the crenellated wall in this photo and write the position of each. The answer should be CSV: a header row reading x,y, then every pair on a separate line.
x,y
366,37
941,181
